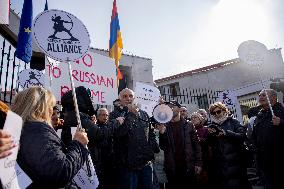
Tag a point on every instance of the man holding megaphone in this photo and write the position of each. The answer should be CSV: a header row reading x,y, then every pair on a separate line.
x,y
182,151
134,143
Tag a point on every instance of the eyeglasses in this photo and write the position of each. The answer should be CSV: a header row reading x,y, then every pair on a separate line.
x,y
216,112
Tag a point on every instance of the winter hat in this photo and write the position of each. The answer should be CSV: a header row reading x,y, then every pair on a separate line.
x,y
197,115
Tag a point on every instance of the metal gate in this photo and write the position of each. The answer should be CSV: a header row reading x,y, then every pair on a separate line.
x,y
9,70
202,98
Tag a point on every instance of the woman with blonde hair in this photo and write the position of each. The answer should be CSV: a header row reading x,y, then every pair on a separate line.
x,y
226,138
42,154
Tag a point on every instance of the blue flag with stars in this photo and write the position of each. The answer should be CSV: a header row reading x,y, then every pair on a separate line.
x,y
24,44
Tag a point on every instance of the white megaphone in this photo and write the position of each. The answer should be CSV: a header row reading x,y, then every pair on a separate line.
x,y
162,113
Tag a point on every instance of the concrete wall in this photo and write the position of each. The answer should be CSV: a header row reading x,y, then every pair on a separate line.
x,y
234,75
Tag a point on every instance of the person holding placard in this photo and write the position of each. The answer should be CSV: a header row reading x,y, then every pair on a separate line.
x,y
268,139
6,142
42,155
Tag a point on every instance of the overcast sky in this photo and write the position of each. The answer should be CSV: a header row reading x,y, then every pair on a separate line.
x,y
178,35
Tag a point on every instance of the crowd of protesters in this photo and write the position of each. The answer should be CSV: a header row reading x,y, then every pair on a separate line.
x,y
130,151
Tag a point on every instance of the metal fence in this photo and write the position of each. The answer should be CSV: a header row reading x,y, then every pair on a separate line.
x,y
9,70
199,97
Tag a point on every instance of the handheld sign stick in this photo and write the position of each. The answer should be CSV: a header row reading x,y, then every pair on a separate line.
x,y
50,76
254,53
63,37
79,127
266,95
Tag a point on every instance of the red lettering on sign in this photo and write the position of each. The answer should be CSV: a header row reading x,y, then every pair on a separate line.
x,y
87,60
74,74
93,78
87,77
110,82
99,95
56,72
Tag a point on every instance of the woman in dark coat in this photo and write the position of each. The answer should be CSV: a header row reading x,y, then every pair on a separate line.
x,y
42,155
226,138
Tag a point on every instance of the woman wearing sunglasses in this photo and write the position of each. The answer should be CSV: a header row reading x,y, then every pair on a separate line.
x,y
226,138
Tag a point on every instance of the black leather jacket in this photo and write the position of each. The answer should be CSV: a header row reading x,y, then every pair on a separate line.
x,y
134,140
268,139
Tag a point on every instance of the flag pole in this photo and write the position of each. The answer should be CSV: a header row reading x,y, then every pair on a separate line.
x,y
79,126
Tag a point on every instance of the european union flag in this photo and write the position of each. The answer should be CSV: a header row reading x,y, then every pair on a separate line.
x,y
24,44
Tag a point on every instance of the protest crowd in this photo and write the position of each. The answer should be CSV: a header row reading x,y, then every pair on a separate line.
x,y
67,141
127,146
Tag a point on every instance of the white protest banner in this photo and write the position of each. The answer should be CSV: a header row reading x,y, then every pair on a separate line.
x,y
86,177
30,77
252,52
147,97
229,98
93,71
12,177
61,35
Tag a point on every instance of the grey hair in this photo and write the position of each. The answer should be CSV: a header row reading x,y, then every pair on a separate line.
x,y
123,90
100,110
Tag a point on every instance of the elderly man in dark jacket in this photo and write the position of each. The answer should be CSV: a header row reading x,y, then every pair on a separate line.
x,y
180,143
134,143
103,148
268,138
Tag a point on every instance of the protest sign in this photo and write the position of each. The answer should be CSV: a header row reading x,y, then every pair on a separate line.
x,y
12,177
86,177
30,77
147,97
61,35
93,71
252,52
229,98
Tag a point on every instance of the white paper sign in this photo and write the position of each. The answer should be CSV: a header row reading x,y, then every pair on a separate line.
x,y
11,176
30,77
86,177
147,97
229,98
61,35
93,71
23,179
252,52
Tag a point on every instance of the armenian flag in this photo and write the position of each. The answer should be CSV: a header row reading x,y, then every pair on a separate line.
x,y
115,42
